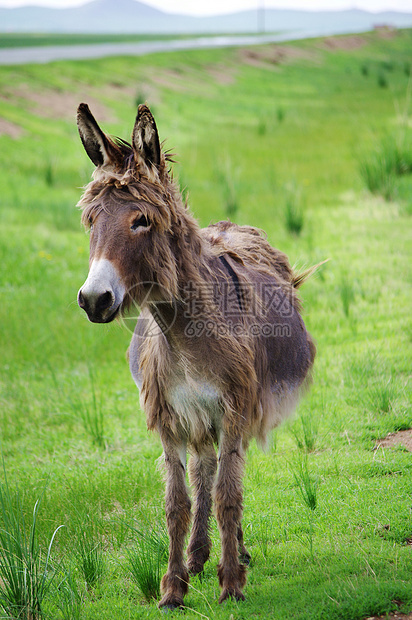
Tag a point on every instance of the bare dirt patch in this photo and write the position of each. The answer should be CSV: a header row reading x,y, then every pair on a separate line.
x,y
222,74
345,42
401,438
183,80
171,79
56,104
141,92
395,616
10,129
386,32
272,55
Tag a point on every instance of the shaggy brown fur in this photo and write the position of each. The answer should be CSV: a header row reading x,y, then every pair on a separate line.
x,y
231,352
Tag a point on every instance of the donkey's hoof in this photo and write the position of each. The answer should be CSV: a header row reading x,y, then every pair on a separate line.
x,y
245,558
195,568
165,609
233,593
170,603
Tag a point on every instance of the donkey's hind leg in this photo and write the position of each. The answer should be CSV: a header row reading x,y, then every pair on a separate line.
x,y
228,506
175,582
202,470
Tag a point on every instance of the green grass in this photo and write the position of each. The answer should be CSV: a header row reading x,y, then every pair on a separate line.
x,y
25,572
35,39
69,411
28,39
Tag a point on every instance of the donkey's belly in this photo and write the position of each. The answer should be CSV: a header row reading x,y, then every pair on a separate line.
x,y
198,406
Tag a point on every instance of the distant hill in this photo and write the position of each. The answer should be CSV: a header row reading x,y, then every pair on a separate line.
x,y
126,16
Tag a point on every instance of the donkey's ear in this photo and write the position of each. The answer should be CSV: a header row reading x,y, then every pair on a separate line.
x,y
94,140
145,138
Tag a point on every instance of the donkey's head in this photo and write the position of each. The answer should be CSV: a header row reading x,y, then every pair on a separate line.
x,y
134,214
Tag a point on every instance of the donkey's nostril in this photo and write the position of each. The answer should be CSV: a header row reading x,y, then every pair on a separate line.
x,y
81,300
104,301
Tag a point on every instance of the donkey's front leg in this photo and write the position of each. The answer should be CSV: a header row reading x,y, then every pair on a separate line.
x,y
175,582
202,470
229,508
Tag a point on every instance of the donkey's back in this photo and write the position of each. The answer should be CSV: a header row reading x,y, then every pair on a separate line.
x,y
283,350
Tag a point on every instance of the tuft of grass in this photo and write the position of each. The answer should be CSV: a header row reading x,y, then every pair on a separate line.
x,y
145,564
365,70
88,548
382,80
347,294
306,538
306,434
381,395
147,559
294,216
306,482
377,175
155,539
390,160
69,597
280,114
399,153
25,575
229,184
261,531
91,414
90,559
49,176
388,65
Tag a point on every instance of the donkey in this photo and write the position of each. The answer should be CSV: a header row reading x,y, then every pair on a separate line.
x,y
220,353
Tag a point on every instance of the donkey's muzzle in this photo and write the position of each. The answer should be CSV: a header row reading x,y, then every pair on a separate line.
x,y
102,294
99,308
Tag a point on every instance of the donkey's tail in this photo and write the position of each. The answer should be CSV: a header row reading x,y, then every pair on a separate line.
x,y
299,278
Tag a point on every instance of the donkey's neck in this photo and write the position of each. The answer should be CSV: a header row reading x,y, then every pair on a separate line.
x,y
197,268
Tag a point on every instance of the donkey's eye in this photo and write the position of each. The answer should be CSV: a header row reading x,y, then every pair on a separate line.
x,y
140,222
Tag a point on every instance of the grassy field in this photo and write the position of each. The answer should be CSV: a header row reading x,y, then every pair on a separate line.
x,y
28,39
285,138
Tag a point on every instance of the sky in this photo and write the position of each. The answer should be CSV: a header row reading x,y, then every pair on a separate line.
x,y
215,7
